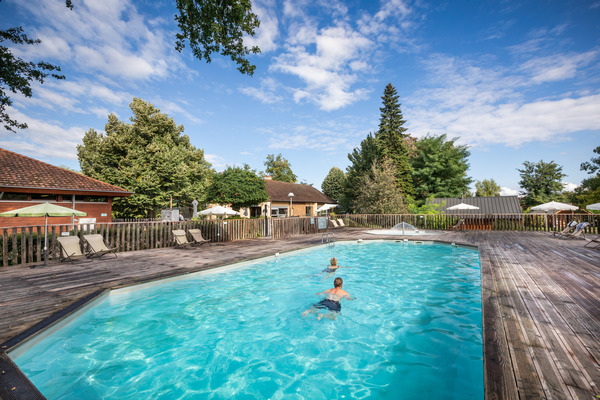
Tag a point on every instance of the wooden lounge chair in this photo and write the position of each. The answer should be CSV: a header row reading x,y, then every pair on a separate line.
x,y
460,224
341,223
334,223
571,226
181,239
70,249
579,232
197,236
595,242
97,246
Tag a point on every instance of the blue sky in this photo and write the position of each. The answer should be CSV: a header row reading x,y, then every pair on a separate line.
x,y
514,80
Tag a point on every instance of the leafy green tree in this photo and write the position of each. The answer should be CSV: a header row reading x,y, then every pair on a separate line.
x,y
16,74
540,182
333,184
361,161
211,26
279,168
240,187
440,168
149,157
487,188
378,193
589,190
392,138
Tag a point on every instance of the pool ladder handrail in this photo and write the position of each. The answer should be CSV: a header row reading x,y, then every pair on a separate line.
x,y
328,238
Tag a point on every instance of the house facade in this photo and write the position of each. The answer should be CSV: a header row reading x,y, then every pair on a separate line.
x,y
304,202
25,181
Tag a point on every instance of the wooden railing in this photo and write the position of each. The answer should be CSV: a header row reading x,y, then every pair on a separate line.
x,y
24,245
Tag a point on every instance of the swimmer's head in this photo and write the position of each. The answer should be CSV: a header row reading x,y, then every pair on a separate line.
x,y
333,261
338,282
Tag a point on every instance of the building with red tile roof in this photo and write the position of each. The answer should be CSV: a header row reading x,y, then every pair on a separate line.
x,y
25,181
304,202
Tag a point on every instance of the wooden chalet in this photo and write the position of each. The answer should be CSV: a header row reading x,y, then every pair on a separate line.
x,y
25,181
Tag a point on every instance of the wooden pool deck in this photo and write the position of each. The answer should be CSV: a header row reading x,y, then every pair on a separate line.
x,y
540,297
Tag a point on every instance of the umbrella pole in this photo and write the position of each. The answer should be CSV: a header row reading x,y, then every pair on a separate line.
x,y
46,240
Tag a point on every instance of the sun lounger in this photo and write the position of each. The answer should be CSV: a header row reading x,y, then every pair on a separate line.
x,y
460,224
181,239
197,236
70,249
593,243
341,222
334,223
578,233
571,226
97,246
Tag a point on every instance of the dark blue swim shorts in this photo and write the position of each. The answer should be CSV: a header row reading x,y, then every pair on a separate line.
x,y
331,305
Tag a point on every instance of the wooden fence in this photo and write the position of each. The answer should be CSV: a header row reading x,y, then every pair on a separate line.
x,y
24,245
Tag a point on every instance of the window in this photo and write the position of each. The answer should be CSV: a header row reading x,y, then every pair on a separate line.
x,y
42,196
14,196
279,211
96,199
308,210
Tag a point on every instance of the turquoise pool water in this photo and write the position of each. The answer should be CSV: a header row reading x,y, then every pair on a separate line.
x,y
414,332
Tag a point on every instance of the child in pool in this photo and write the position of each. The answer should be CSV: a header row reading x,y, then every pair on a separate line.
x,y
331,302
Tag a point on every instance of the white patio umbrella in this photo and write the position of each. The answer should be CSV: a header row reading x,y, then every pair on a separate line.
x,y
463,206
326,207
44,210
218,210
595,207
553,207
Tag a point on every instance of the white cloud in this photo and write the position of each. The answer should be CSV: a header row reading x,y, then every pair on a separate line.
x,y
108,37
266,35
504,191
487,106
268,92
569,187
325,71
34,141
217,161
557,67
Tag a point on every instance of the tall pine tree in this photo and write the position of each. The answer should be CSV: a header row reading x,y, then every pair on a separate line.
x,y
392,139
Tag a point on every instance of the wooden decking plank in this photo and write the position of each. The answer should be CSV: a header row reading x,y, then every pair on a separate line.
x,y
563,349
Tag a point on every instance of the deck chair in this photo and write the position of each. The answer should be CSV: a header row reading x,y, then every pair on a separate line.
x,y
70,249
460,224
571,226
97,246
334,223
181,239
197,236
341,223
595,242
578,233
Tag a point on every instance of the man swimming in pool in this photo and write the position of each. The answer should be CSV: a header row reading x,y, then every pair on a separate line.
x,y
331,302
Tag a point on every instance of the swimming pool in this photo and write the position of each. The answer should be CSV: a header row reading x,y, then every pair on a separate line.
x,y
414,332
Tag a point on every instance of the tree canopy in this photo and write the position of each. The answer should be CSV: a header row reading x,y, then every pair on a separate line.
x,y
378,193
391,138
589,190
240,187
487,188
149,157
333,184
16,74
440,168
210,26
540,182
280,169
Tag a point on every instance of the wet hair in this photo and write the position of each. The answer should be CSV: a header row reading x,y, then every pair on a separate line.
x,y
333,261
337,282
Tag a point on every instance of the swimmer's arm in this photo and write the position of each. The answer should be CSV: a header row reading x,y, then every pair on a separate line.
x,y
348,297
